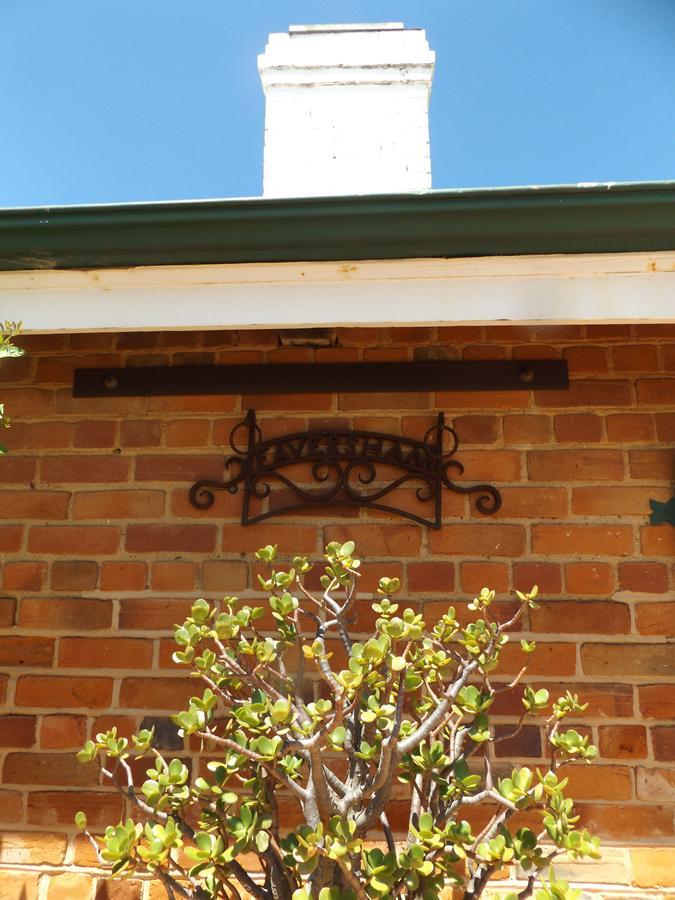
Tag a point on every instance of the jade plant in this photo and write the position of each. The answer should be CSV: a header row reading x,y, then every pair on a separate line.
x,y
338,769
8,331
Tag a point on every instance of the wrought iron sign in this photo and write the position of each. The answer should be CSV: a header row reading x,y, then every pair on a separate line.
x,y
349,466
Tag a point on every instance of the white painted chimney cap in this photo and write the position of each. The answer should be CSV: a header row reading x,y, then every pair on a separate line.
x,y
347,110
354,26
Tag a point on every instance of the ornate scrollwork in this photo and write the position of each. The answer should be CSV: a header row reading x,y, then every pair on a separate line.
x,y
346,465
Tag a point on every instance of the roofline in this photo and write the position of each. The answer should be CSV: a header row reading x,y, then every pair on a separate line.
x,y
595,218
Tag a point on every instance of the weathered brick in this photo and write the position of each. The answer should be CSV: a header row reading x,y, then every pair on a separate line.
x,y
18,470
64,613
596,579
171,538
47,769
289,538
49,435
60,369
63,692
535,351
23,576
655,783
141,433
653,867
495,465
173,576
431,577
628,659
21,650
635,358
645,577
594,393
95,435
56,808
62,539
627,822
69,886
137,504
126,725
179,467
599,782
17,731
550,660
11,811
477,575
607,332
154,614
663,742
113,653
548,577
525,744
374,540
575,465
11,538
582,617
532,503
195,404
658,540
91,340
630,428
658,464
473,400
62,732
224,575
605,701
656,619
156,693
29,402
136,340
611,501
32,848
665,426
585,540
73,575
123,576
371,576
623,742
657,701
656,391
476,429
7,612
577,428
80,469
33,504
187,433
115,889
369,400
527,429
488,540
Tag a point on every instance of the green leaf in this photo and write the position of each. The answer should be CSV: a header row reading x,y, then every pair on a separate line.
x,y
81,820
262,841
338,735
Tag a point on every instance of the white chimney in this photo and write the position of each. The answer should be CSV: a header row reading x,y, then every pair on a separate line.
x,y
347,110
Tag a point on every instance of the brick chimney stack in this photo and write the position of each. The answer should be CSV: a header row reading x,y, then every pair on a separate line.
x,y
347,110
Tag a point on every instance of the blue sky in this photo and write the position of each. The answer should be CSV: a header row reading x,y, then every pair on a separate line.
x,y
119,100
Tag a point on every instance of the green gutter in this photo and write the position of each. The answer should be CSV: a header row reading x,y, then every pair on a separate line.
x,y
603,218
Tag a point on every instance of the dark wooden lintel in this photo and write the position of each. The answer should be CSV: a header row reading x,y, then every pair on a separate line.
x,y
301,378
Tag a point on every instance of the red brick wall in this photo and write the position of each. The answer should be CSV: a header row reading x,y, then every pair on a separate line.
x,y
102,554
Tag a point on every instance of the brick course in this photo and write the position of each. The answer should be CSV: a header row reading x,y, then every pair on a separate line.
x,y
101,555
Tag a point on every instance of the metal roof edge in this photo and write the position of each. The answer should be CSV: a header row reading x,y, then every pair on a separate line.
x,y
583,218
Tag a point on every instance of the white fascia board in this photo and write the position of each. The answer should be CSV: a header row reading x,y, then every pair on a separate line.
x,y
618,287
